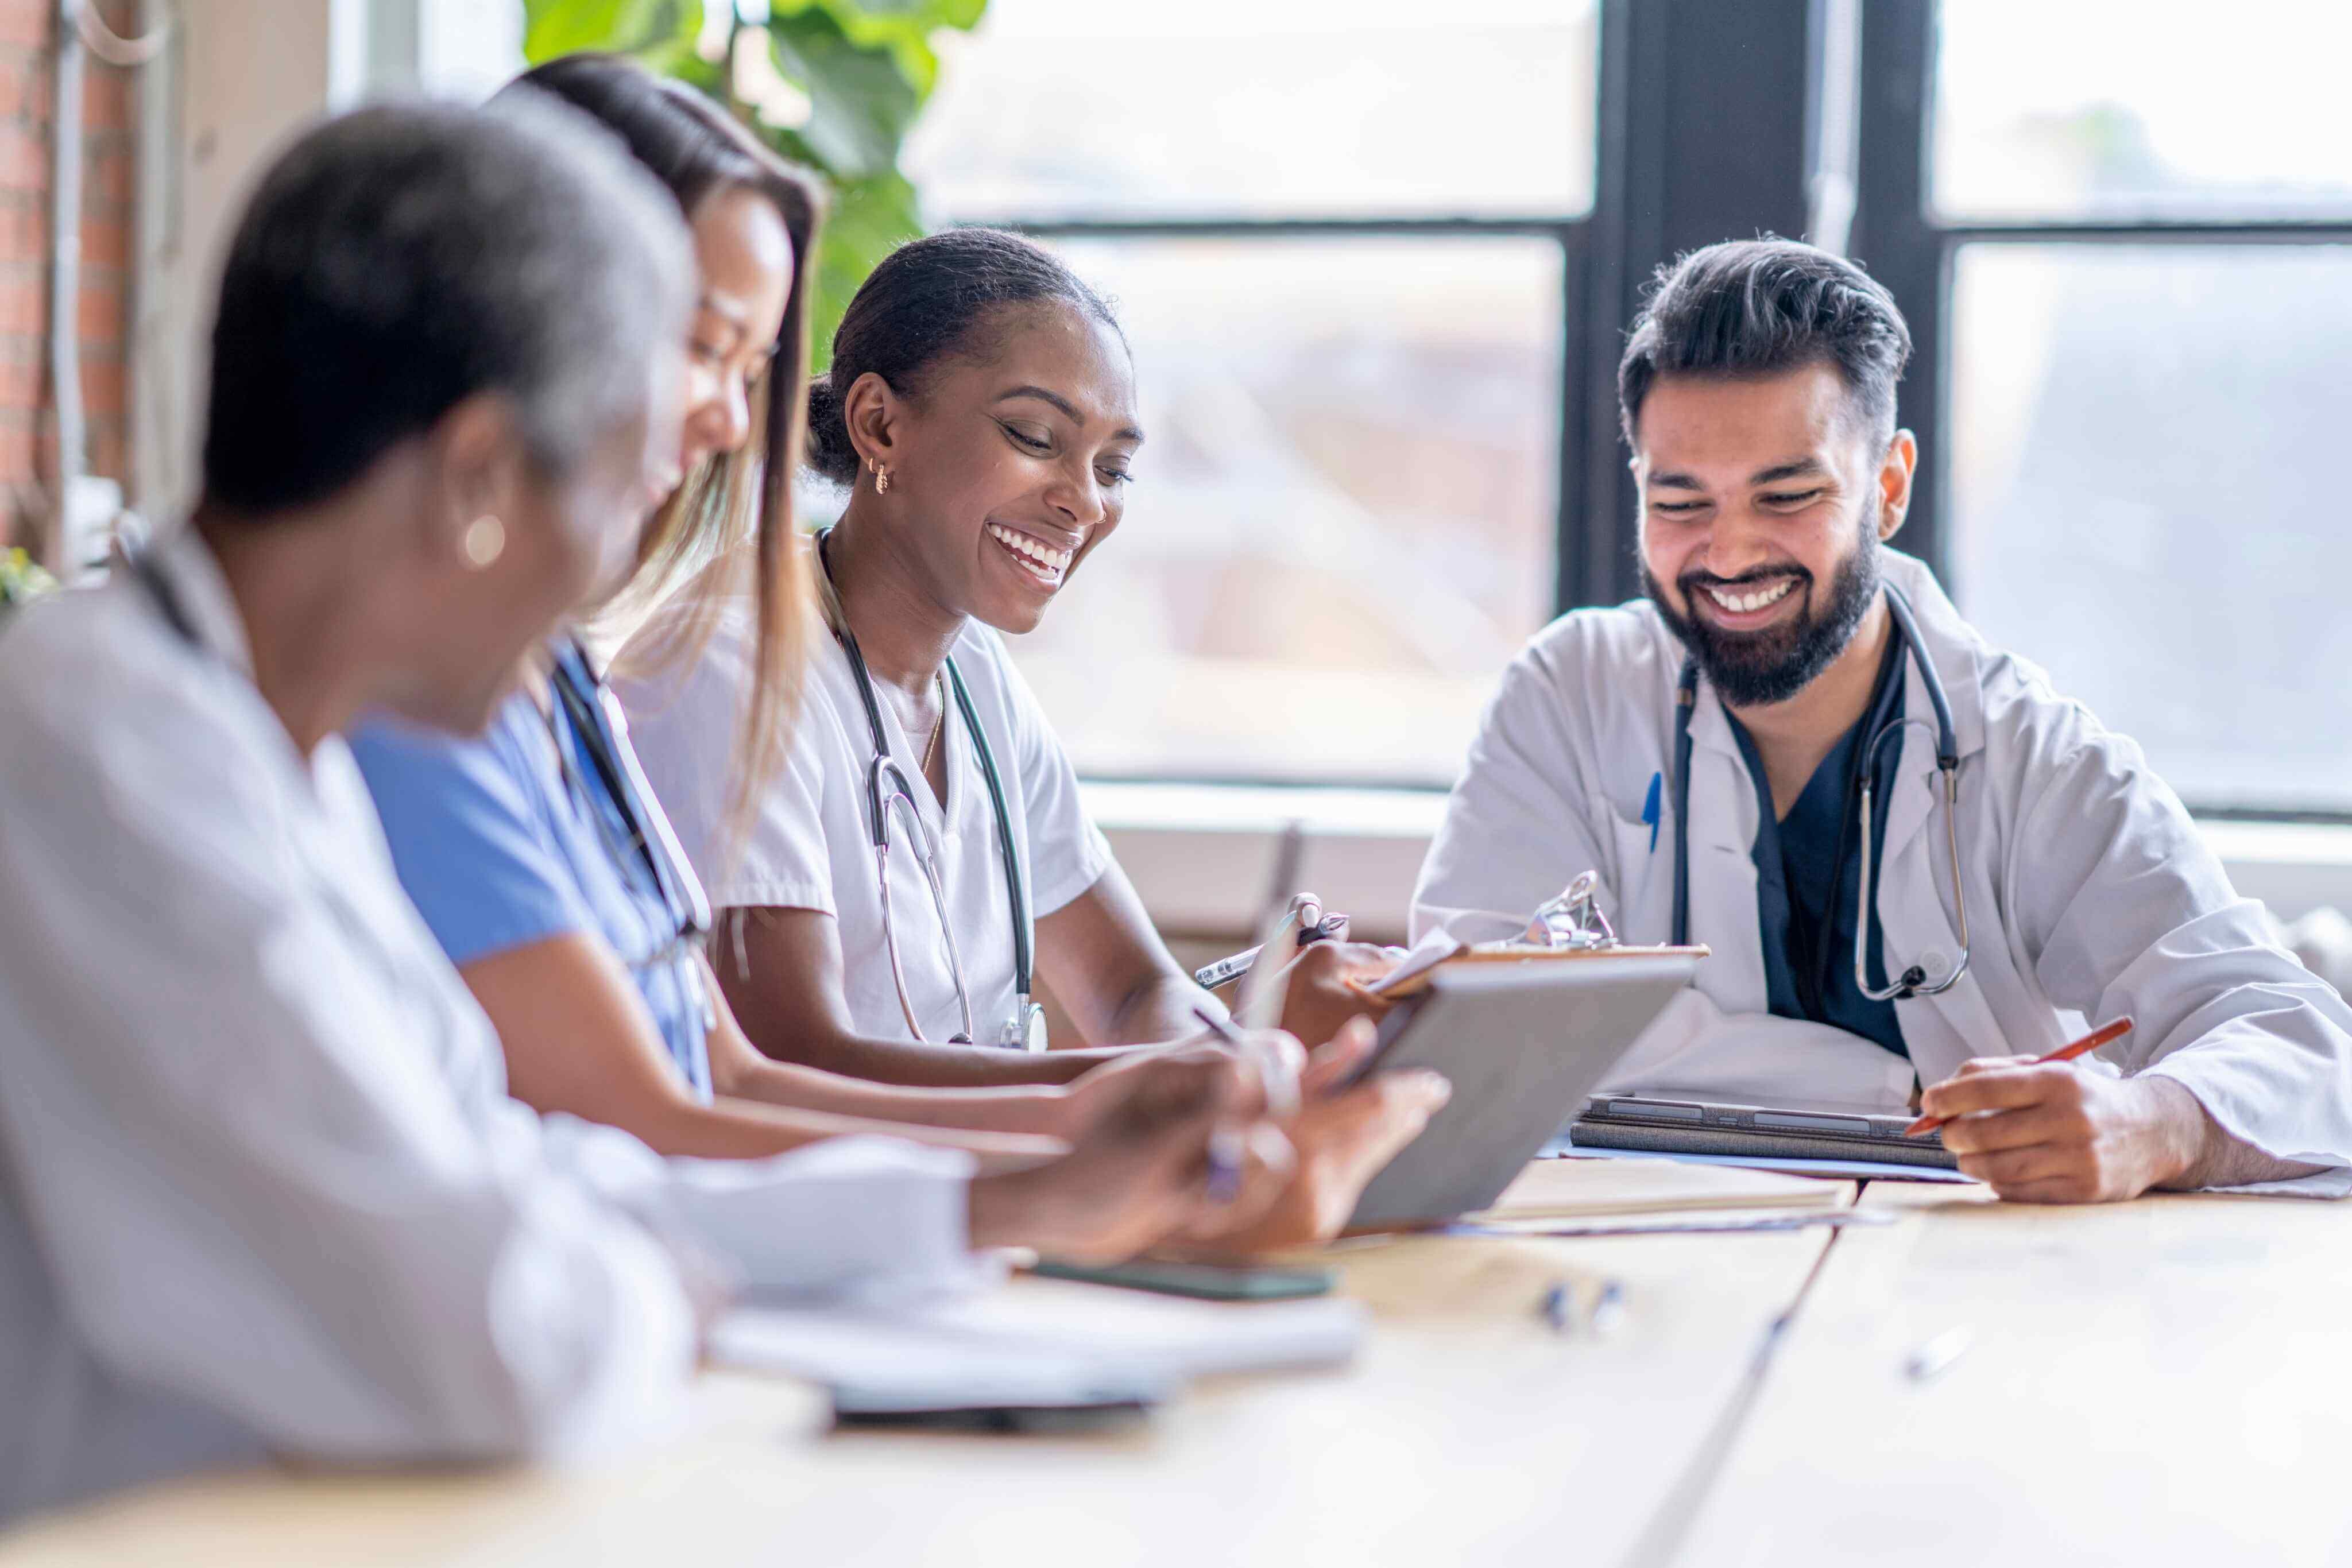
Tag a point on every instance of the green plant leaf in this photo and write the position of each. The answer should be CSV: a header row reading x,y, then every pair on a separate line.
x,y
867,66
870,218
860,101
552,27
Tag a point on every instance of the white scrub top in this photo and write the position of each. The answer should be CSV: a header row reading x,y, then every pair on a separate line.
x,y
811,847
2091,894
261,1186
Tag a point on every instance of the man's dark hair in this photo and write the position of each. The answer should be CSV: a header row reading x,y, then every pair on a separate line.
x,y
931,300
401,259
1760,307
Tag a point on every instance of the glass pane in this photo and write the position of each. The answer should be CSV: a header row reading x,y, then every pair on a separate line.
x,y
2146,503
1295,108
1342,520
2121,108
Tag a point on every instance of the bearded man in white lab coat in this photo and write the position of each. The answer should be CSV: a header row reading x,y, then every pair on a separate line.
x,y
1758,395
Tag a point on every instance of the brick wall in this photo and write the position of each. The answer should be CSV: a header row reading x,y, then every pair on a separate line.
x,y
27,410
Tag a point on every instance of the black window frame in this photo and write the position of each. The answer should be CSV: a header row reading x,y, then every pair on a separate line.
x,y
1908,246
1702,112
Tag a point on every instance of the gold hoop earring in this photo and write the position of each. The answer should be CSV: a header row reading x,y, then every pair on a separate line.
x,y
484,542
881,479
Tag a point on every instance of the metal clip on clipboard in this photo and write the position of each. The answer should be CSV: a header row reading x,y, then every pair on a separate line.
x,y
1574,921
1570,926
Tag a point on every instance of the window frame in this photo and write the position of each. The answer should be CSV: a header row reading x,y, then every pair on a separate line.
x,y
1663,184
1899,235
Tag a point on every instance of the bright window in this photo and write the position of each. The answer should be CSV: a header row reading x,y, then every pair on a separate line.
x,y
2142,108
1341,235
2147,504
1099,109
1343,518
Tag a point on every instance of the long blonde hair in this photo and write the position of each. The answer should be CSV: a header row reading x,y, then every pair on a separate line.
x,y
729,530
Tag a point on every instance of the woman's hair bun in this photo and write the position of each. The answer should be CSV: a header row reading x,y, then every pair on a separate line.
x,y
830,454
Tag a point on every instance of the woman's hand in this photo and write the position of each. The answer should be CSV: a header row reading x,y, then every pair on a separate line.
x,y
1342,1139
1324,988
1274,1057
1145,1170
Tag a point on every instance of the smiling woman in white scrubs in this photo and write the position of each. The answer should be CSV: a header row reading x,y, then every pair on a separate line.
x,y
981,411
261,1188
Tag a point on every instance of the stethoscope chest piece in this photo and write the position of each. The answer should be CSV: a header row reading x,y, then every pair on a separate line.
x,y
1025,1030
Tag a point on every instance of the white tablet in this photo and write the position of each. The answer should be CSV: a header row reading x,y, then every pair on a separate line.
x,y
1522,1044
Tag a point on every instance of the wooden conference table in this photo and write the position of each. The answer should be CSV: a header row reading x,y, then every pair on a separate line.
x,y
2167,1381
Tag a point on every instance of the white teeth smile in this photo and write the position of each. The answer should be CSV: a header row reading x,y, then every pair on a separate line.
x,y
1742,603
1040,558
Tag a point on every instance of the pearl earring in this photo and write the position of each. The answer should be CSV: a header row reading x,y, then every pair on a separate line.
x,y
485,541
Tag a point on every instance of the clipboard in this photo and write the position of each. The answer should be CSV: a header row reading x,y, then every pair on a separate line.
x,y
1563,930
1522,952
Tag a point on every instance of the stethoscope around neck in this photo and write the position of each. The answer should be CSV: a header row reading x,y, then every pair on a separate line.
x,y
889,797
1914,981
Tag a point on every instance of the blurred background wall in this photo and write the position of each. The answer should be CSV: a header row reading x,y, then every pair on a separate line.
x,y
103,324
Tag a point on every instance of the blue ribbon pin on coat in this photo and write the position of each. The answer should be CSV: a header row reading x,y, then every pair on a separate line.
x,y
1649,808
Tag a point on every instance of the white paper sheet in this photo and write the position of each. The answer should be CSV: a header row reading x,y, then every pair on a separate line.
x,y
1043,1342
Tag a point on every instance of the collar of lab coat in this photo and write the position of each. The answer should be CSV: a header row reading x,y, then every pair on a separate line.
x,y
188,564
1949,643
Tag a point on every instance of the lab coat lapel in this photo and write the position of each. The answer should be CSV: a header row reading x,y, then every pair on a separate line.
x,y
1914,898
1722,863
1918,790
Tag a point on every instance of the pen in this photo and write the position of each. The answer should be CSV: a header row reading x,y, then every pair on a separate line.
x,y
1281,1090
1607,1310
1554,1307
1225,1149
1934,1358
2089,1043
1225,971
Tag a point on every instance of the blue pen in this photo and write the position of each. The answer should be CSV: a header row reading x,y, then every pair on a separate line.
x,y
1649,808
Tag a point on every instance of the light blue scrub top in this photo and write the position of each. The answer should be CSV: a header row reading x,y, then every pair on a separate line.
x,y
497,846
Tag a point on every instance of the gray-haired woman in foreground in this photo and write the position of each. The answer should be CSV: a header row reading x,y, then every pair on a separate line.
x,y
261,1188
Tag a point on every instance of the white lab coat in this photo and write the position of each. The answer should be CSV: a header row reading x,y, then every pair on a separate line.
x,y
261,1187
2090,893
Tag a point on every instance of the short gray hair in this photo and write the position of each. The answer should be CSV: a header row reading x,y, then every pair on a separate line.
x,y
402,258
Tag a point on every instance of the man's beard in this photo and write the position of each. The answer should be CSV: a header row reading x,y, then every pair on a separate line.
x,y
1755,669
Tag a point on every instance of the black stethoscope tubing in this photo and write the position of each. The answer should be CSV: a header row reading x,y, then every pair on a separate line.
x,y
684,904
1947,760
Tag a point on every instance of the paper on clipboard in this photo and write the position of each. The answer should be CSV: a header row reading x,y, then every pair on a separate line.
x,y
1425,955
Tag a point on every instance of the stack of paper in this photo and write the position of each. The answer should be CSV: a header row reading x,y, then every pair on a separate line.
x,y
1575,1188
1035,1342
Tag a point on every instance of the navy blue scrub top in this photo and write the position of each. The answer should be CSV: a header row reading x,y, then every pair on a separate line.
x,y
1807,867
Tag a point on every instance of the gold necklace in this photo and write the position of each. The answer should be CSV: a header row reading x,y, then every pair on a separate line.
x,y
932,749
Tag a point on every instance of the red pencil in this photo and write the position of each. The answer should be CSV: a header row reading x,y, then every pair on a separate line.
x,y
2089,1043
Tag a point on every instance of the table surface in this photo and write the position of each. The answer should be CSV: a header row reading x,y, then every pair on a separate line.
x,y
2139,1385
